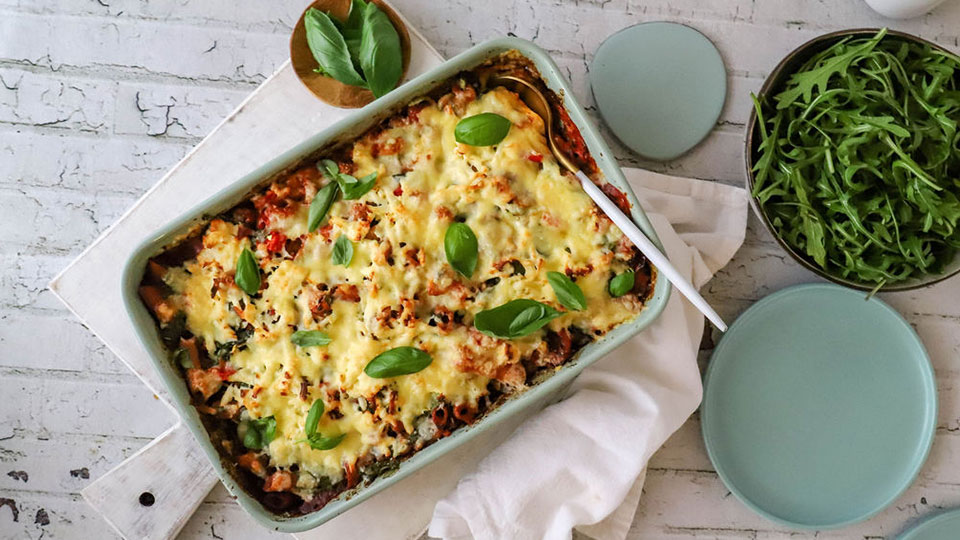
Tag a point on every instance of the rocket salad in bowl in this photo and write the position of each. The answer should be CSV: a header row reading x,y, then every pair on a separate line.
x,y
853,158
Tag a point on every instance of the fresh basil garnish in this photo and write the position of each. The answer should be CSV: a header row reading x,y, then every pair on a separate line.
x,y
352,30
313,417
310,338
259,432
353,188
247,274
321,205
349,185
319,442
381,57
484,129
342,251
514,319
396,362
329,48
568,293
460,245
621,284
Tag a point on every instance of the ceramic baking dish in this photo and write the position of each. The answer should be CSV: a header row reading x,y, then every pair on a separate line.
x,y
537,396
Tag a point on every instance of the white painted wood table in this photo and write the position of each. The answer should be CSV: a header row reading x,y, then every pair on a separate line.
x,y
98,98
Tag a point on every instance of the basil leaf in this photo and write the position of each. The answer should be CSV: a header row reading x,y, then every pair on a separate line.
x,y
353,188
621,285
310,338
313,418
460,245
319,442
399,361
381,58
321,205
568,293
259,432
514,319
330,167
247,274
342,251
252,439
484,129
352,31
329,48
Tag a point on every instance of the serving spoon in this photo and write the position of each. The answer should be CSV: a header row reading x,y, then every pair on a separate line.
x,y
534,98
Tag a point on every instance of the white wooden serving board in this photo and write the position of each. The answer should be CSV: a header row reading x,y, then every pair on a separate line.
x,y
279,114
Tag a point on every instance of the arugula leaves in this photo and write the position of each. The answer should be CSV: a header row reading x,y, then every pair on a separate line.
x,y
362,51
857,164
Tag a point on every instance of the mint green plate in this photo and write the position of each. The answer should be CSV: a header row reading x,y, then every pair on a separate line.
x,y
660,86
940,526
819,406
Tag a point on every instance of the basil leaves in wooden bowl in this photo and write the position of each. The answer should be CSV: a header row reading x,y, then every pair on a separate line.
x,y
350,52
853,158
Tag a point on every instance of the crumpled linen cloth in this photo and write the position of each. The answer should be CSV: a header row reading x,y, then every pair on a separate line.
x,y
580,463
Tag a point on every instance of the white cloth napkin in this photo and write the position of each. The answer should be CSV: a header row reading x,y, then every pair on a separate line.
x,y
581,462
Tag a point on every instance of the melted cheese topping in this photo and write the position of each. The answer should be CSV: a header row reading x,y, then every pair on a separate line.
x,y
515,198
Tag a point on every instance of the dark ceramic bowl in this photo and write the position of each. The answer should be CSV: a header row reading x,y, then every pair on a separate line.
x,y
771,87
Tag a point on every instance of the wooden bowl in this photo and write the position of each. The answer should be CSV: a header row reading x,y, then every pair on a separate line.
x,y
327,88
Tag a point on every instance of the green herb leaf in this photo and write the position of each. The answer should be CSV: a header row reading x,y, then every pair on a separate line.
x,y
247,274
621,284
381,57
259,432
352,31
460,245
396,362
484,129
310,338
252,439
568,293
514,319
857,158
321,205
342,251
313,418
319,442
330,168
329,48
353,188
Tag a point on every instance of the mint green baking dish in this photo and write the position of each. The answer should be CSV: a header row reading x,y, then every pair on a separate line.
x,y
537,396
